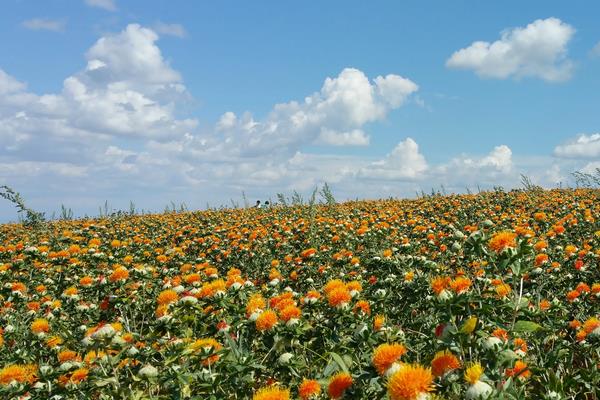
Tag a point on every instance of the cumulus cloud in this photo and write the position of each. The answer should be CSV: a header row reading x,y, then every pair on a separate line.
x,y
499,159
537,50
108,5
334,115
176,30
131,57
404,162
493,169
45,24
584,146
127,94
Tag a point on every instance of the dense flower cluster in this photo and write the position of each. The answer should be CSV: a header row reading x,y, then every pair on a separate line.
x,y
495,295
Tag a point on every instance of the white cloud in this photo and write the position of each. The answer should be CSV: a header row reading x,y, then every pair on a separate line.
x,y
404,162
537,50
108,5
176,30
494,169
334,115
46,24
591,168
355,137
127,90
499,159
8,84
584,146
130,56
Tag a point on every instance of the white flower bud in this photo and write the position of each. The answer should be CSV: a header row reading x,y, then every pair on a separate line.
x,y
148,372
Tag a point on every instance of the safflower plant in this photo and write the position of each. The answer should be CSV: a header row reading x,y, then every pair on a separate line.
x,y
494,295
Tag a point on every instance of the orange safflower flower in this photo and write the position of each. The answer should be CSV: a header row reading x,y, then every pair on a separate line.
x,y
40,325
573,295
519,370
167,297
79,375
309,388
255,303
308,253
500,334
119,274
86,281
444,361
385,355
574,324
339,297
266,320
460,284
363,306
409,382
19,373
378,322
354,285
591,325
289,312
338,384
583,287
439,284
541,259
502,240
502,290
18,287
332,285
67,355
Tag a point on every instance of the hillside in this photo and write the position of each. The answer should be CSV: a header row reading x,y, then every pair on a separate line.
x,y
494,294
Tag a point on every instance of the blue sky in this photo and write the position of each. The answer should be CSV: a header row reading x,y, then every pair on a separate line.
x,y
198,101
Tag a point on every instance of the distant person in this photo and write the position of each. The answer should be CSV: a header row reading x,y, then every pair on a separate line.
x,y
257,205
267,204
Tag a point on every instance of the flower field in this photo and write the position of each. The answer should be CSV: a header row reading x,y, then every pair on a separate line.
x,y
495,295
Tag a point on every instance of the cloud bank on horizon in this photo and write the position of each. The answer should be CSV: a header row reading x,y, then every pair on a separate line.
x,y
116,129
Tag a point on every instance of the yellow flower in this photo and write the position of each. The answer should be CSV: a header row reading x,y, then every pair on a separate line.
x,y
469,325
271,393
473,373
